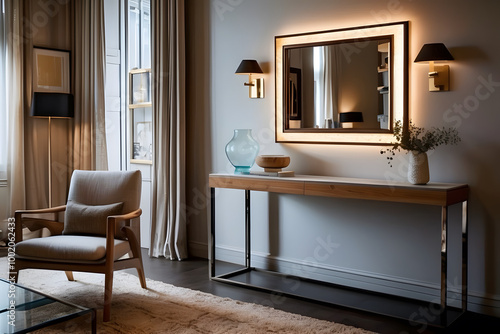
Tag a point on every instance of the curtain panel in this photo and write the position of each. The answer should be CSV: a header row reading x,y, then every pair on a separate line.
x,y
26,150
14,93
89,137
3,103
168,223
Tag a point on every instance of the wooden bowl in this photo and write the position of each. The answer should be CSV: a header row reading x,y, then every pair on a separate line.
x,y
272,162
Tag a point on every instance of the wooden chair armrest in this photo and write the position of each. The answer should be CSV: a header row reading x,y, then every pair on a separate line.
x,y
111,228
46,210
33,224
113,220
36,223
127,216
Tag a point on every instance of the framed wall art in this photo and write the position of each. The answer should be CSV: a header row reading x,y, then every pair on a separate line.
x,y
51,71
294,94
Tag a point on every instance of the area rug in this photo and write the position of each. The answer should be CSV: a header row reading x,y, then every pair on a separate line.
x,y
164,308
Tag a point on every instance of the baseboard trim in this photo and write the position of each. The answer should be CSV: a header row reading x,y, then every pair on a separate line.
x,y
400,286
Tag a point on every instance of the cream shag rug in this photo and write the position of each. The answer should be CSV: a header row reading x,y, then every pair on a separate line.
x,y
164,308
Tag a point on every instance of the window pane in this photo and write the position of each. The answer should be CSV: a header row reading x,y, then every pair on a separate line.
x,y
146,35
134,60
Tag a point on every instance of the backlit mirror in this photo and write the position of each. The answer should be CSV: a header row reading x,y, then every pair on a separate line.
x,y
346,86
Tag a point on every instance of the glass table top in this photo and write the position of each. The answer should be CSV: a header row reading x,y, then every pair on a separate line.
x,y
23,310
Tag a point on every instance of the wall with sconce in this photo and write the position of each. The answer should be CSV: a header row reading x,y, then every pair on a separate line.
x,y
439,76
255,85
225,35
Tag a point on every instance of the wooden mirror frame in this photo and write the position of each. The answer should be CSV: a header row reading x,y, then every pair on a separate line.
x,y
398,32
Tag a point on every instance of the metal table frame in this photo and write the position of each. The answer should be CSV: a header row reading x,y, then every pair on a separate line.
x,y
441,194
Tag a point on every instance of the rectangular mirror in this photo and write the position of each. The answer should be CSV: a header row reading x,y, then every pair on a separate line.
x,y
345,86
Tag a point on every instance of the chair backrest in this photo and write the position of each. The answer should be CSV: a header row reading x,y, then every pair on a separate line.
x,y
95,195
106,187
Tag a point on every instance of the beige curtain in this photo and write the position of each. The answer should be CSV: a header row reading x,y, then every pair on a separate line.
x,y
89,137
168,226
329,83
52,34
15,105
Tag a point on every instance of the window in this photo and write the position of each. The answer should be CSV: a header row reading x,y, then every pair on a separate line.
x,y
139,63
3,104
128,31
139,34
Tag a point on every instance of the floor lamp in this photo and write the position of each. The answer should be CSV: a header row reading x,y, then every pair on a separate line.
x,y
52,105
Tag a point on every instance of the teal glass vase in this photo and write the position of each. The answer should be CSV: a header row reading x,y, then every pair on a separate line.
x,y
242,151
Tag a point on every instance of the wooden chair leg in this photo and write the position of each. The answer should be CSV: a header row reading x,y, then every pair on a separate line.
x,y
69,275
142,278
108,293
136,251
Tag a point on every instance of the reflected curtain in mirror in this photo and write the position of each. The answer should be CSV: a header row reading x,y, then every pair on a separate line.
x,y
326,79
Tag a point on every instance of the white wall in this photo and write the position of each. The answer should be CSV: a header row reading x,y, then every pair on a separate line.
x,y
380,243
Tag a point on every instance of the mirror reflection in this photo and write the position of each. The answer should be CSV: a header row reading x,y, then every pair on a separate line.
x,y
341,85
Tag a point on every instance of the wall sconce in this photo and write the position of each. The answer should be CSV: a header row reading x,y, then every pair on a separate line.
x,y
256,86
439,76
350,117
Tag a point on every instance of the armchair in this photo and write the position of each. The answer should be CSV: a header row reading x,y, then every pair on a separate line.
x,y
98,232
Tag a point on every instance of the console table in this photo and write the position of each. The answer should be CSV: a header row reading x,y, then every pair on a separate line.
x,y
436,194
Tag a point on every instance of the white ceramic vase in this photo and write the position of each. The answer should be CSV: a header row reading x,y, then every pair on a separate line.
x,y
418,168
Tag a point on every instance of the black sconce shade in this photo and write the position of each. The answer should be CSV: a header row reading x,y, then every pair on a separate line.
x,y
351,116
248,66
433,52
52,105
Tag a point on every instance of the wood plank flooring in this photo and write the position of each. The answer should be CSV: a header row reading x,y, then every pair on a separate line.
x,y
193,274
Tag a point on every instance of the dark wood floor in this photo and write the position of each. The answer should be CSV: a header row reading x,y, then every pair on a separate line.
x,y
193,274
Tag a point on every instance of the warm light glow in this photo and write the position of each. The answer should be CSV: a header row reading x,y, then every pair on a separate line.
x,y
398,87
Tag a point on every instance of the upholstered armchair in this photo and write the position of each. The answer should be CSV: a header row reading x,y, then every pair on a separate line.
x,y
98,234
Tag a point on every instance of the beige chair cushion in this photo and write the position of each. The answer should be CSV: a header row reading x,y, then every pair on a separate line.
x,y
105,187
88,219
69,248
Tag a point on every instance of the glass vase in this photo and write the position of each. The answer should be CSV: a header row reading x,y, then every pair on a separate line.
x,y
242,150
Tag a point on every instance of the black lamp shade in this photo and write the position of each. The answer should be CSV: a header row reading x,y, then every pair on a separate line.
x,y
248,66
433,52
351,116
52,105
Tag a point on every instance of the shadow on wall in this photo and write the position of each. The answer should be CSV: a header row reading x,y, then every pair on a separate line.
x,y
198,119
484,182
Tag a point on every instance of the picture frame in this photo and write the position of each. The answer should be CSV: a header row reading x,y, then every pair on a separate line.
x,y
140,87
51,70
142,136
294,94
